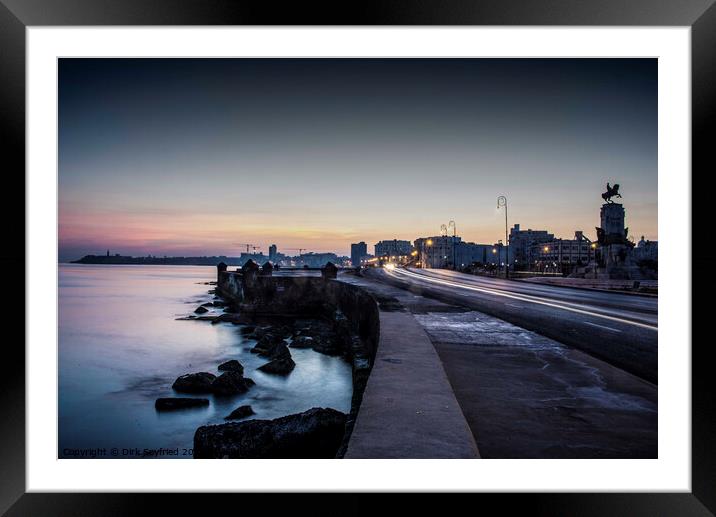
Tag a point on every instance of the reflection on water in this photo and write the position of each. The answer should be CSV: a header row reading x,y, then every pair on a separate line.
x,y
120,348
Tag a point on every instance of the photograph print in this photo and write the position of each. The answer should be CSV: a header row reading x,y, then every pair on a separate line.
x,y
357,258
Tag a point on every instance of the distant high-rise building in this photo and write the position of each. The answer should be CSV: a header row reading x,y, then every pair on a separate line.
x,y
358,252
273,253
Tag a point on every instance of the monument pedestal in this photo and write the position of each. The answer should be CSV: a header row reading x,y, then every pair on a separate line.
x,y
614,253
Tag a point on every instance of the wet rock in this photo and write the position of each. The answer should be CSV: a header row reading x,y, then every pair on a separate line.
x,y
277,351
302,342
281,366
231,383
285,331
201,310
240,412
172,403
203,318
228,317
316,433
194,383
267,344
248,329
207,304
260,332
231,366
326,346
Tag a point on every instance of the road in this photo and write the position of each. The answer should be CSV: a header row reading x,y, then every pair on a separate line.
x,y
621,329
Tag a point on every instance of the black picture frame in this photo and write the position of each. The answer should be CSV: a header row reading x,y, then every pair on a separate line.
x,y
16,15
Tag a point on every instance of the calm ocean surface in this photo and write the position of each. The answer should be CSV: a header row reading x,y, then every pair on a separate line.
x,y
120,348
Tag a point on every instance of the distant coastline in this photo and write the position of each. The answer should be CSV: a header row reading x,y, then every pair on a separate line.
x,y
159,261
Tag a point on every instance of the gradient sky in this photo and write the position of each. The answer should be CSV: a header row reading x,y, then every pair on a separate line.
x,y
191,156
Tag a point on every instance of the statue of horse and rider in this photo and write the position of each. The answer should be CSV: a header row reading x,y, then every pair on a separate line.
x,y
611,192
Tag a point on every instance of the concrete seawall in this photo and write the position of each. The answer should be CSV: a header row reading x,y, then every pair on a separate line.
x,y
403,405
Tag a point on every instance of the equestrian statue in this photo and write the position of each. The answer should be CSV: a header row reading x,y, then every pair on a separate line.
x,y
611,192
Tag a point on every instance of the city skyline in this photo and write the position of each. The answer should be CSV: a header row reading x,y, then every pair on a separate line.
x,y
193,156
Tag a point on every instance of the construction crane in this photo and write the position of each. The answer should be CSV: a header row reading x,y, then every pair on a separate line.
x,y
300,250
248,245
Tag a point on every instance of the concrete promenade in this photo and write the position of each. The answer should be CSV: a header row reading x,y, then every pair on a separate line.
x,y
523,395
409,409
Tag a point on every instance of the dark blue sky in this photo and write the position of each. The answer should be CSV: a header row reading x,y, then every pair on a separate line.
x,y
187,156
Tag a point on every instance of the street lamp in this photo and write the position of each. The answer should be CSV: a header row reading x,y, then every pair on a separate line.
x,y
454,234
502,203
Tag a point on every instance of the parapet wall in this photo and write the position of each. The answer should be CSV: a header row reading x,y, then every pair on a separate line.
x,y
304,296
353,312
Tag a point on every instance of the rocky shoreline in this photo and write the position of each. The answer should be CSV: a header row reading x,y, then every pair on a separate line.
x,y
316,433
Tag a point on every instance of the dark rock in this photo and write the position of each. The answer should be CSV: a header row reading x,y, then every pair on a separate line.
x,y
267,344
281,366
231,383
326,345
231,366
194,383
171,403
277,351
285,331
260,331
302,342
201,309
240,412
207,304
248,329
204,318
229,317
316,433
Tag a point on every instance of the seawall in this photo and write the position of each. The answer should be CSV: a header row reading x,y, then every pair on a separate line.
x,y
403,405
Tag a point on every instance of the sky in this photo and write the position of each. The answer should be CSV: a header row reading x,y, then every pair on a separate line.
x,y
196,156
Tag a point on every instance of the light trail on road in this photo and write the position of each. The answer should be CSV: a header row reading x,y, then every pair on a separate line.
x,y
567,306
